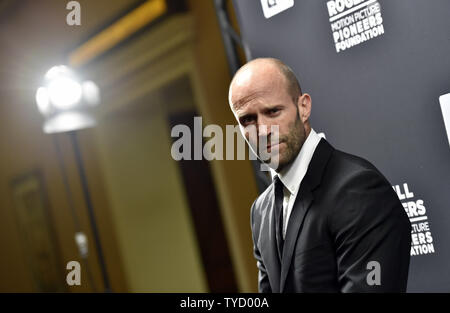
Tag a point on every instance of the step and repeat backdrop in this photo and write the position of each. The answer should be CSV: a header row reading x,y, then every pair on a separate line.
x,y
378,73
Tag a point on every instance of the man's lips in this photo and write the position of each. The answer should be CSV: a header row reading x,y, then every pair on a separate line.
x,y
270,147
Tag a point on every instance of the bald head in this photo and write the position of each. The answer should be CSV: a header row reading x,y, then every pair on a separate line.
x,y
261,71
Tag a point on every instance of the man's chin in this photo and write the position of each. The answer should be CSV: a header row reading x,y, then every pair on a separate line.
x,y
280,167
275,164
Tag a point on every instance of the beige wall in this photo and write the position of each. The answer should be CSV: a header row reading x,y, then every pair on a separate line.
x,y
148,205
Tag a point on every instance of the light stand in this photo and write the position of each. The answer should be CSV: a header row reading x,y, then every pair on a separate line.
x,y
66,105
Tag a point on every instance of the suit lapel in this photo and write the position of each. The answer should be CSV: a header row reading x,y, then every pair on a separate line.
x,y
301,205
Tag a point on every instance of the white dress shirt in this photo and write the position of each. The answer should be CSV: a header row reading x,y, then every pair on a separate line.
x,y
293,174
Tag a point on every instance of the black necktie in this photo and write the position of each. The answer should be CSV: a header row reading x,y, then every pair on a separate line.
x,y
278,214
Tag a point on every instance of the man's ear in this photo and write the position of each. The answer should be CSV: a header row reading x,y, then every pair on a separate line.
x,y
304,106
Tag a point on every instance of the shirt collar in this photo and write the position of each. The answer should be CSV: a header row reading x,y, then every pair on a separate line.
x,y
293,174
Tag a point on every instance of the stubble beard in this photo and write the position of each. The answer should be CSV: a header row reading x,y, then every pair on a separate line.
x,y
294,142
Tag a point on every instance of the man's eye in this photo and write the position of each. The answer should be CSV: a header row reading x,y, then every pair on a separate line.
x,y
246,120
274,111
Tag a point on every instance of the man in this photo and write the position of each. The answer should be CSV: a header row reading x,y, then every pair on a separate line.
x,y
330,221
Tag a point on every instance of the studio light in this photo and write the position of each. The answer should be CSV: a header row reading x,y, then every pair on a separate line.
x,y
65,102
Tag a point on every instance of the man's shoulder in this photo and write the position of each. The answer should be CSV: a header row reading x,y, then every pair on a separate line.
x,y
350,162
348,174
344,166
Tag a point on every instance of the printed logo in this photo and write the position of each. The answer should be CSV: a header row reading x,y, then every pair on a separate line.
x,y
73,278
354,22
421,237
273,7
374,276
74,16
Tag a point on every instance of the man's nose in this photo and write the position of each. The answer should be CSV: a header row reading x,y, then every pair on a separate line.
x,y
264,130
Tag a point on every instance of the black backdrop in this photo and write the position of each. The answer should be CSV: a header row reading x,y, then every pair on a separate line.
x,y
377,98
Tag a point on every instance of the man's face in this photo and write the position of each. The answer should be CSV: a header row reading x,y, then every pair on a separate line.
x,y
261,100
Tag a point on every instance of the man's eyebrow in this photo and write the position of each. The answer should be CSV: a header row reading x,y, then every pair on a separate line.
x,y
245,115
271,106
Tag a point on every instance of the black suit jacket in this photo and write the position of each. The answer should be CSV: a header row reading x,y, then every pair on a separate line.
x,y
346,215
